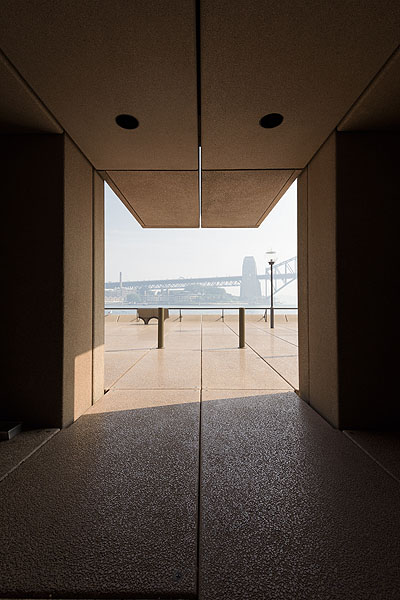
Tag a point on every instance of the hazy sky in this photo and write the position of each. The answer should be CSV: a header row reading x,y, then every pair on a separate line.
x,y
170,253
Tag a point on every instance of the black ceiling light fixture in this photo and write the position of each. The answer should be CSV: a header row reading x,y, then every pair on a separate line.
x,y
127,121
271,120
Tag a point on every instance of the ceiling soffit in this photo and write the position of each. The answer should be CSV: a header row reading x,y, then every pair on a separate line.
x,y
379,106
308,61
20,109
241,198
90,61
158,199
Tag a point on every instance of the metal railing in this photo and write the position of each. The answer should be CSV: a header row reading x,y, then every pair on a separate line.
x,y
241,310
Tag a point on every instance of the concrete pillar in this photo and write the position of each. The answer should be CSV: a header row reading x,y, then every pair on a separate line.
x,y
302,282
98,288
51,201
346,199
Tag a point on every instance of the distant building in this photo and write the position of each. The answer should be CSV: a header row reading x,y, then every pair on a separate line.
x,y
250,289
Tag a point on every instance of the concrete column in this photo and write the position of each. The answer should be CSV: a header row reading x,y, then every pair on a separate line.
x,y
78,283
302,283
98,287
346,198
48,188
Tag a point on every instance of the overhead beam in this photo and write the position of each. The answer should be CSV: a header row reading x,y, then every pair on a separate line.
x,y
241,198
158,199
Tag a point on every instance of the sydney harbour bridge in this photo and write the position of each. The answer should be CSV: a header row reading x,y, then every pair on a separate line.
x,y
250,282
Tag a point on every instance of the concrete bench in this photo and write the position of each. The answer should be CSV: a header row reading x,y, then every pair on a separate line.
x,y
150,313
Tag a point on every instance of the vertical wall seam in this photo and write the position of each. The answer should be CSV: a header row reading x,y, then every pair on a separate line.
x,y
200,182
198,69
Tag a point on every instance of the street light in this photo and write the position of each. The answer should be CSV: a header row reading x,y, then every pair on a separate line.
x,y
271,258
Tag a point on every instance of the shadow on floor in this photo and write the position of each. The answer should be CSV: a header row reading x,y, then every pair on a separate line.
x,y
289,507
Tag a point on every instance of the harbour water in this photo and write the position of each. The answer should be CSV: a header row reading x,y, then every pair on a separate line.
x,y
190,309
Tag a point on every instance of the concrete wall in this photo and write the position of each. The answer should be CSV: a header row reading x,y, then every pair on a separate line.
x,y
346,198
302,284
51,200
32,191
317,306
98,288
78,286
368,194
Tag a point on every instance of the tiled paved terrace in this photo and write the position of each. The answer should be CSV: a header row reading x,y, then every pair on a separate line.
x,y
201,474
201,354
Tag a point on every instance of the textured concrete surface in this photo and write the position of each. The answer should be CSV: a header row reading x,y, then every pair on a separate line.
x,y
98,286
239,369
277,347
116,400
15,451
243,48
291,508
78,268
381,446
376,109
149,43
201,353
159,198
241,198
106,508
164,369
118,363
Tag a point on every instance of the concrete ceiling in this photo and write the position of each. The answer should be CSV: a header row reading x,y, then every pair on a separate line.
x,y
74,66
379,107
308,61
21,111
241,198
158,198
90,61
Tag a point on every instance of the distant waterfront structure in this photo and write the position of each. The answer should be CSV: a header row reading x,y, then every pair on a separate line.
x,y
250,288
204,290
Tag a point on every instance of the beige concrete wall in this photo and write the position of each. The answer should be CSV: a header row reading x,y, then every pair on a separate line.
x,y
32,272
346,199
367,230
322,306
302,284
78,285
98,288
53,248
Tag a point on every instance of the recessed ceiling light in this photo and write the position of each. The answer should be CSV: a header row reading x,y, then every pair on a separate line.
x,y
127,121
271,120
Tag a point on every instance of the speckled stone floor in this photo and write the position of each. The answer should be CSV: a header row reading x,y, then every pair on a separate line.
x,y
190,482
15,451
202,354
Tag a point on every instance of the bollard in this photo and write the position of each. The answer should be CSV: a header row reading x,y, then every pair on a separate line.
x,y
223,315
242,328
160,328
180,315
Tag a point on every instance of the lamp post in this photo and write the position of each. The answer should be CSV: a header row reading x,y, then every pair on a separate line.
x,y
271,257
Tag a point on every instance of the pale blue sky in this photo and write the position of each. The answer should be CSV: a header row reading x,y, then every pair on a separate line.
x,y
170,253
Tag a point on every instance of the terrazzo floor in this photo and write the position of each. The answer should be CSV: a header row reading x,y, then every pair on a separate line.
x,y
201,474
